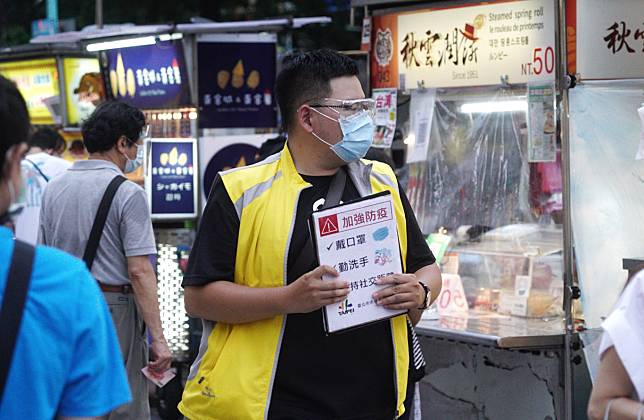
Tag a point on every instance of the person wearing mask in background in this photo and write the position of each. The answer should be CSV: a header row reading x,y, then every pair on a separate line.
x,y
264,352
40,166
618,392
119,254
59,354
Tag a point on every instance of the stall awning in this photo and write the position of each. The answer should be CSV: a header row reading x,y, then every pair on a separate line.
x,y
385,3
120,31
29,50
269,25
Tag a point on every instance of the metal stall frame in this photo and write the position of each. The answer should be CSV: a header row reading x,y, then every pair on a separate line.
x,y
571,291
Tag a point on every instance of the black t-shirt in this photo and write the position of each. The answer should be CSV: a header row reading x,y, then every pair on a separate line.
x,y
314,378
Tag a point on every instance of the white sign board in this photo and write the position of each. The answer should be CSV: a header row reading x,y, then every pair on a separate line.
x,y
610,39
421,114
542,142
360,240
473,46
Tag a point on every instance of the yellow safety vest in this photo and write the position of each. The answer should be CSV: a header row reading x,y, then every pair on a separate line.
x,y
233,375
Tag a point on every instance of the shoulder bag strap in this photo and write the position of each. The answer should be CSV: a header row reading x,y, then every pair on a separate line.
x,y
13,303
45,177
99,221
307,256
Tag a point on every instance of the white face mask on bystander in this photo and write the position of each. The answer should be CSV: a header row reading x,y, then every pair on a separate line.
x,y
132,165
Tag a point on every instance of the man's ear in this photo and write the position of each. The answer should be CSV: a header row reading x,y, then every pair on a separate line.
x,y
121,144
304,114
14,156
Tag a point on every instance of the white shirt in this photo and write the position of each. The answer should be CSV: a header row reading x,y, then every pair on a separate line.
x,y
37,170
624,330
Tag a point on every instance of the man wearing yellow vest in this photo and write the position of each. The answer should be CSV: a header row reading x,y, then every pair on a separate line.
x,y
264,353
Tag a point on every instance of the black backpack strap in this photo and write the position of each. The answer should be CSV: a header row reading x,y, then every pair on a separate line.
x,y
336,189
13,303
37,168
306,258
99,221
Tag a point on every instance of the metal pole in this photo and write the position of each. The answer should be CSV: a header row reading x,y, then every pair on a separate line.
x,y
99,14
563,82
64,120
52,14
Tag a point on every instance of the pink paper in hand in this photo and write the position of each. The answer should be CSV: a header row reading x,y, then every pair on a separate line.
x,y
162,379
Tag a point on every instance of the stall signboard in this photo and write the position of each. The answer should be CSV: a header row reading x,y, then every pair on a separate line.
x,y
148,76
477,45
172,176
37,80
236,81
81,73
220,153
609,39
384,63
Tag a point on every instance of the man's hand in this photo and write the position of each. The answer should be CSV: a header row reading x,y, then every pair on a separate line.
x,y
161,357
404,293
310,292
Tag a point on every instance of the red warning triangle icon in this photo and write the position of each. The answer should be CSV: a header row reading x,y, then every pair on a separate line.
x,y
328,225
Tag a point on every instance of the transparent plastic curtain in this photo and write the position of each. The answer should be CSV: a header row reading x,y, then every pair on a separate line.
x,y
476,171
607,189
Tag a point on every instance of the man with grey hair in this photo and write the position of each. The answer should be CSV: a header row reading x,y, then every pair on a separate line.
x,y
91,211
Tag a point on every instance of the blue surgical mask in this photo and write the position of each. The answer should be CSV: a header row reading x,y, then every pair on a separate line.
x,y
357,136
133,164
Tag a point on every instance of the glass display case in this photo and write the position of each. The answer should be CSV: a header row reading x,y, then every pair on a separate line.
x,y
513,270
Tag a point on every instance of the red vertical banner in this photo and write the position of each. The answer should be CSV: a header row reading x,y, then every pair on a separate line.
x,y
571,35
384,51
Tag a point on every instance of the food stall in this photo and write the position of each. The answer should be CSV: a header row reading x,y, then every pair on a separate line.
x,y
481,93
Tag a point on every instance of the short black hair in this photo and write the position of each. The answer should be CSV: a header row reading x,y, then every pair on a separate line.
x,y
46,138
305,76
14,119
109,121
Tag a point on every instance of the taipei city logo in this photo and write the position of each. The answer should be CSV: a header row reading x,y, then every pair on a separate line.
x,y
345,308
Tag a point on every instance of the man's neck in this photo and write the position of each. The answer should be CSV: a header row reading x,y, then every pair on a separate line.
x,y
308,161
106,156
34,150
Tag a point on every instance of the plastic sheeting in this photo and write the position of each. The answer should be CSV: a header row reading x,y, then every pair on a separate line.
x,y
607,188
476,171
